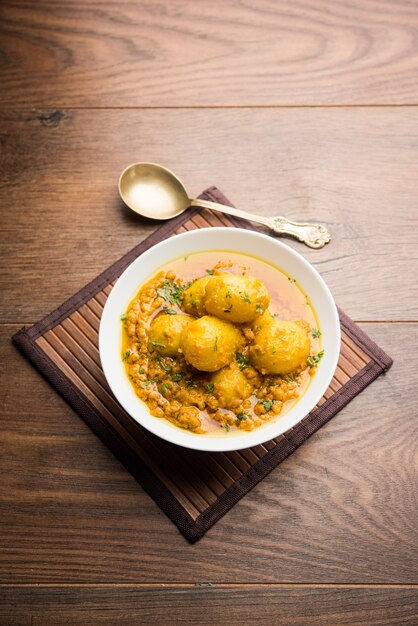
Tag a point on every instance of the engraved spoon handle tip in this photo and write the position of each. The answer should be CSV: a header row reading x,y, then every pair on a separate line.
x,y
313,235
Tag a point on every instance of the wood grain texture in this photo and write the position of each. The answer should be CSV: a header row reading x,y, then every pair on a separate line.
x,y
223,52
341,509
353,169
245,605
80,542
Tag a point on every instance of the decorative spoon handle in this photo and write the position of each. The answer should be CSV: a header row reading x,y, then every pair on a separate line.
x,y
313,235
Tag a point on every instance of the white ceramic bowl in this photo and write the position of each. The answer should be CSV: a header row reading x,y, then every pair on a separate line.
x,y
226,239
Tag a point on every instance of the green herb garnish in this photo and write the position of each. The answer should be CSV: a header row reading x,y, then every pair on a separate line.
x,y
316,333
242,416
123,317
169,311
126,355
210,387
215,345
291,379
141,370
267,404
259,308
313,359
145,384
246,297
164,387
171,292
177,378
226,427
193,303
157,344
273,349
166,367
241,360
228,294
210,272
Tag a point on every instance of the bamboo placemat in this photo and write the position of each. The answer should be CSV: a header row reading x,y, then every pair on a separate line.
x,y
193,488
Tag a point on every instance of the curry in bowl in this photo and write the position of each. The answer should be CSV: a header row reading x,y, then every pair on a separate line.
x,y
218,342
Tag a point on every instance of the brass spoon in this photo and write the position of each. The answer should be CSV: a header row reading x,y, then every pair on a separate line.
x,y
153,191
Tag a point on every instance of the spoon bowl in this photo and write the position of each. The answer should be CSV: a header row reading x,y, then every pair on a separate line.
x,y
153,191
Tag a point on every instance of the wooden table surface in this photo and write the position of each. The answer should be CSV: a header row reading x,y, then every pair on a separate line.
x,y
306,108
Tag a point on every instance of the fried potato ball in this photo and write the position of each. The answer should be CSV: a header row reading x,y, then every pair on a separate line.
x,y
194,297
209,343
165,333
231,386
237,299
280,348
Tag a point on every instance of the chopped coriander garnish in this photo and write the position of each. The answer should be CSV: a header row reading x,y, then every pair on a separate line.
x,y
177,377
313,359
169,311
154,380
242,416
241,360
291,379
210,272
157,344
267,404
273,349
126,355
228,294
210,387
193,303
215,345
141,370
123,317
226,427
259,308
291,280
171,292
316,333
246,297
163,388
145,384
165,366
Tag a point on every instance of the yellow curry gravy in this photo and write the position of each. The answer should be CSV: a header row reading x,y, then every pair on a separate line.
x,y
173,389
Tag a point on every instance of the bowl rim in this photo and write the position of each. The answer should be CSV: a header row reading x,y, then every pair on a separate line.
x,y
185,438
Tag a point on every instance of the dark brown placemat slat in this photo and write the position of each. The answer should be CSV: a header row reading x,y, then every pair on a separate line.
x,y
193,488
